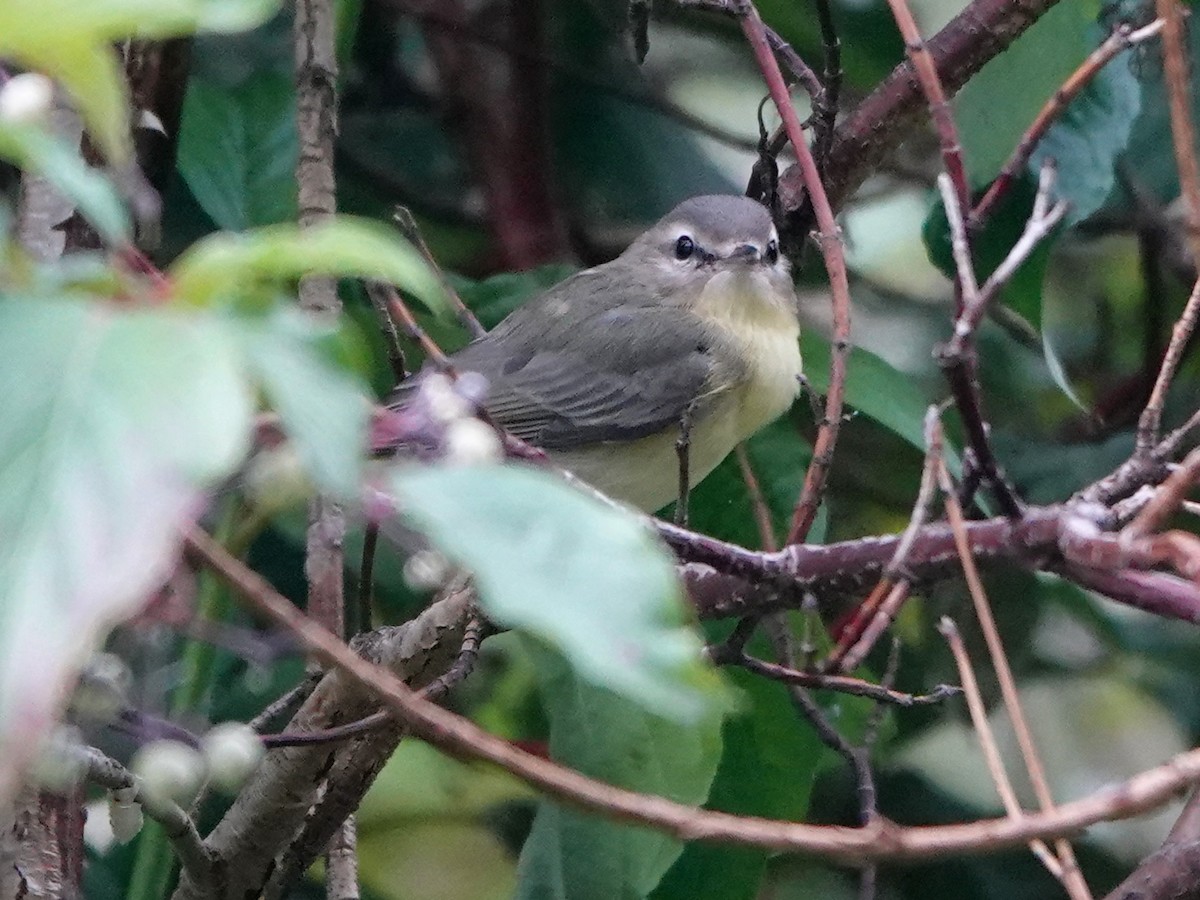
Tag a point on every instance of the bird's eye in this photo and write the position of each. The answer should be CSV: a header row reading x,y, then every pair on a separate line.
x,y
684,247
773,252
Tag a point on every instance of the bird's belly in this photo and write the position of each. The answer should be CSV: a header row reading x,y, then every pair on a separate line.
x,y
645,473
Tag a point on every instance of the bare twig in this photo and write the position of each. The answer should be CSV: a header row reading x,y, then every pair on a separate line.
x,y
825,110
408,227
1181,334
1072,879
758,502
178,825
1166,499
1123,37
939,106
389,298
878,839
341,863
987,740
830,241
879,610
840,684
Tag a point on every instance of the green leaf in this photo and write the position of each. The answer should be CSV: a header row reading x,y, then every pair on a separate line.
x,y
227,266
237,149
991,115
71,43
324,409
573,855
873,387
122,418
36,151
89,74
1090,135
47,21
767,769
588,578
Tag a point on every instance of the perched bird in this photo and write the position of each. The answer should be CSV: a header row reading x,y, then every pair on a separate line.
x,y
693,329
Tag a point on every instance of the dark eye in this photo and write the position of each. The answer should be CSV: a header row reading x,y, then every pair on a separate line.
x,y
684,247
772,252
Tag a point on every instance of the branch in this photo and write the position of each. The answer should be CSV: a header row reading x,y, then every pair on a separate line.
x,y
894,110
878,839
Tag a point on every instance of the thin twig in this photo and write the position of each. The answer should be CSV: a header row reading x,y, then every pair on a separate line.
x,y
830,241
987,740
1122,38
398,311
879,610
1165,500
408,227
1183,133
287,704
391,336
683,446
758,502
841,684
1181,334
879,839
825,111
178,825
1072,879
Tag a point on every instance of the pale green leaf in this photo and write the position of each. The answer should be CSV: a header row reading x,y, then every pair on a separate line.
x,y
35,151
323,408
225,267
122,418
588,578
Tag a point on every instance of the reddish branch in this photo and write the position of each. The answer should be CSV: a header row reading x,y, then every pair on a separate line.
x,y
1122,38
878,839
894,110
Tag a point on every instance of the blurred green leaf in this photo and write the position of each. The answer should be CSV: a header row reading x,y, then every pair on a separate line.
x,y
122,418
768,767
36,151
70,42
991,115
48,21
228,266
1090,135
237,149
586,577
873,387
575,856
324,410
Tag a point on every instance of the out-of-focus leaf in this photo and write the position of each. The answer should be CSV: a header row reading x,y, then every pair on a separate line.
x,y
324,410
36,151
226,266
122,418
990,115
1090,135
237,149
873,387
45,21
586,577
768,767
573,855
70,42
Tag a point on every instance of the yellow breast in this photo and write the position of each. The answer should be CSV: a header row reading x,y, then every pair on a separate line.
x,y
766,334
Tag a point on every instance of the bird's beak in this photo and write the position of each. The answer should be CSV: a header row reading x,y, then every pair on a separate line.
x,y
746,253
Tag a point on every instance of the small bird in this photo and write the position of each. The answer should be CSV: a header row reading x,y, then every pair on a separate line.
x,y
691,332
